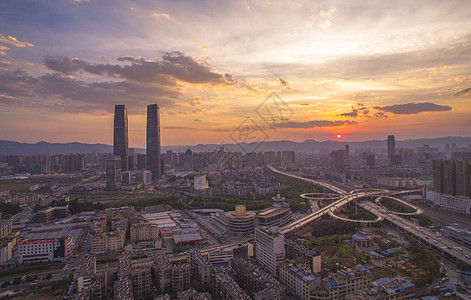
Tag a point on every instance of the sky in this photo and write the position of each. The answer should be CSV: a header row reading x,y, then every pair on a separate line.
x,y
235,71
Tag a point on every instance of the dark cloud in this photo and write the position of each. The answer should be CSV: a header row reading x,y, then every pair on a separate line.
x,y
172,66
413,108
198,120
380,115
16,84
135,82
312,124
353,113
465,92
282,81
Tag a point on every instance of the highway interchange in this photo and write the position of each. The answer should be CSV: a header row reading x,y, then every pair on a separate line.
x,y
440,243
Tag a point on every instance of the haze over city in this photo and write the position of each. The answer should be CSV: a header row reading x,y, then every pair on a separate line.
x,y
361,69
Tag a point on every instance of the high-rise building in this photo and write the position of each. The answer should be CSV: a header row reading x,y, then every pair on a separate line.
x,y
188,163
153,141
449,172
370,160
270,249
463,178
112,172
391,146
120,137
438,175
452,177
337,159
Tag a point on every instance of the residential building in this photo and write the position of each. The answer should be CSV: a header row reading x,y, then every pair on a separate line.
x,y
299,281
200,182
269,249
337,159
168,275
224,287
144,232
342,283
200,267
257,282
295,250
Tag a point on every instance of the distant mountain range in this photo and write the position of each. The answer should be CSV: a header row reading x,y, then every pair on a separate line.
x,y
308,146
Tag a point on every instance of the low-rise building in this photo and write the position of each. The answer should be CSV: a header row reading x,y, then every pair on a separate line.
x,y
224,287
341,284
168,275
259,283
299,281
44,250
295,250
461,204
385,288
144,232
108,241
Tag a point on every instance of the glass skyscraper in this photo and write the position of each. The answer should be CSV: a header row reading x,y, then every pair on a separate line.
x,y
120,136
154,163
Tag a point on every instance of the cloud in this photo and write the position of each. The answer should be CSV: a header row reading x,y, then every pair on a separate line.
x,y
198,120
353,113
312,124
282,81
161,16
135,82
172,66
194,101
465,92
205,47
413,108
13,41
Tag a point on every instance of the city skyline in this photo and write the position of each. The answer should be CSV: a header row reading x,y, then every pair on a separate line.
x,y
361,70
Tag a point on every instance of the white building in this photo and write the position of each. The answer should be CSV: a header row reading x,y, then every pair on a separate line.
x,y
201,183
298,281
44,250
6,251
220,256
270,249
454,203
144,177
126,177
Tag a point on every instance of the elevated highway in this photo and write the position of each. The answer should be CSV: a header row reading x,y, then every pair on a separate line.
x,y
324,184
433,240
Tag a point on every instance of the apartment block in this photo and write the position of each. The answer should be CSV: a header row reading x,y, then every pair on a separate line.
x,y
259,283
299,281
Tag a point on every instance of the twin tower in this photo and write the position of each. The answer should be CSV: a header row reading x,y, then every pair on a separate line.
x,y
121,141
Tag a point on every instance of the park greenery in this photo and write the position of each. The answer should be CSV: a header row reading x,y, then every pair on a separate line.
x,y
396,206
8,210
426,259
327,227
357,213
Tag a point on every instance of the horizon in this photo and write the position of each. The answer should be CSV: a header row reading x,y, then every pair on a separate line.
x,y
267,141
287,70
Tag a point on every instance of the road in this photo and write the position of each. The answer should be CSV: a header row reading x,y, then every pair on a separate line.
x,y
432,239
440,243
